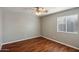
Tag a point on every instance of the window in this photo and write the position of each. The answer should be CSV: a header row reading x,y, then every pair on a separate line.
x,y
67,24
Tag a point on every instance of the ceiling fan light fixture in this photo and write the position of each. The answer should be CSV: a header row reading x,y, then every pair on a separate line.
x,y
40,10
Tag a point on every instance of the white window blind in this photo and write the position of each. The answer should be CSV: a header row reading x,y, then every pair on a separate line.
x,y
67,24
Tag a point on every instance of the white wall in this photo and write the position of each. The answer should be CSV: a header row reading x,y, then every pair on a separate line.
x,y
1,33
49,28
20,25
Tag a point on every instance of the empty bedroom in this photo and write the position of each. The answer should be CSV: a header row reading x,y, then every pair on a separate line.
x,y
39,29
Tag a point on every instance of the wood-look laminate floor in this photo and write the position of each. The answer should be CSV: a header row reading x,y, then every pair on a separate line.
x,y
39,44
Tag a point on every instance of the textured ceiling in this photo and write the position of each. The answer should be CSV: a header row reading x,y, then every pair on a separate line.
x,y
56,9
30,9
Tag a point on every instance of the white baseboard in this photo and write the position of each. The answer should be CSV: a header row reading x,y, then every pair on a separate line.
x,y
0,46
61,43
19,40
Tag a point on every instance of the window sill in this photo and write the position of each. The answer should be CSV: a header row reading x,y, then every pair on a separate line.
x,y
68,32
